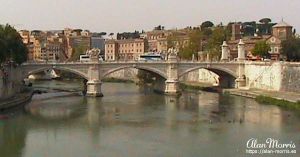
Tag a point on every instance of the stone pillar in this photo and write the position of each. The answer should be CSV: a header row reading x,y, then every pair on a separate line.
x,y
94,82
241,80
172,84
94,88
207,57
241,51
225,52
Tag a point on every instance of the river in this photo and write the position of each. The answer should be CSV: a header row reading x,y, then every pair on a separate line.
x,y
132,121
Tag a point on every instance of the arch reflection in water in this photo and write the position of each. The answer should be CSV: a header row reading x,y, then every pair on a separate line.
x,y
55,108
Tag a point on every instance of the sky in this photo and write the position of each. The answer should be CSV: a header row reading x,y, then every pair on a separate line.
x,y
129,15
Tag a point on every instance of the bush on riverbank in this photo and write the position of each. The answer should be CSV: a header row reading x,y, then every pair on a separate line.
x,y
116,80
282,103
191,87
201,87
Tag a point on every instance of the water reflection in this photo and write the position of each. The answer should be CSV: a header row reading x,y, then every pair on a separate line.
x,y
12,138
132,121
55,108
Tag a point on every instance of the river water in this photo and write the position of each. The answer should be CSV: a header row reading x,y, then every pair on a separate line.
x,y
133,121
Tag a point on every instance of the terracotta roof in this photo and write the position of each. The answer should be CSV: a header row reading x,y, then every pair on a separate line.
x,y
282,24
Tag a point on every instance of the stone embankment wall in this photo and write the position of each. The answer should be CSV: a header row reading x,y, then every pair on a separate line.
x,y
263,75
10,81
277,76
291,77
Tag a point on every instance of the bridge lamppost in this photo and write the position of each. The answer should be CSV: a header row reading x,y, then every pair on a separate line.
x,y
241,50
225,52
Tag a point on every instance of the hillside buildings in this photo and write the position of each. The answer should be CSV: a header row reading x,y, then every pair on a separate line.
x,y
56,45
280,32
61,45
155,41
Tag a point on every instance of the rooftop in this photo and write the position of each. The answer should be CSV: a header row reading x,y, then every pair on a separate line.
x,y
282,24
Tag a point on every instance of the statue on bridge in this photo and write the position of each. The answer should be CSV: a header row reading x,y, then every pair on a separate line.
x,y
94,54
172,54
172,51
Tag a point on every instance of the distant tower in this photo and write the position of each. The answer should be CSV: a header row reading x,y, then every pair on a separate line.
x,y
236,31
282,31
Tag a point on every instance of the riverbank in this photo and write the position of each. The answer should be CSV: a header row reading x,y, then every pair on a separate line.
x,y
117,80
290,100
254,93
187,86
16,101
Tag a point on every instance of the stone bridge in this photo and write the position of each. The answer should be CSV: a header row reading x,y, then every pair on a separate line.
x,y
231,74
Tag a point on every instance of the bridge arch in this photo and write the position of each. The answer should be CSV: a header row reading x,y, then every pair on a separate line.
x,y
79,73
226,76
149,69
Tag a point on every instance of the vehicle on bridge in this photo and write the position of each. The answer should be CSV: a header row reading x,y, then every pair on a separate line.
x,y
87,58
150,57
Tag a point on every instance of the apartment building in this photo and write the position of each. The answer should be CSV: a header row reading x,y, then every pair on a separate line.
x,y
127,49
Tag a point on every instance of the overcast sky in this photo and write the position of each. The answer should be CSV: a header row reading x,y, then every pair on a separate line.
x,y
130,15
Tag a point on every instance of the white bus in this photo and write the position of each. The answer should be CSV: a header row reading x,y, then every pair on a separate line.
x,y
85,58
150,57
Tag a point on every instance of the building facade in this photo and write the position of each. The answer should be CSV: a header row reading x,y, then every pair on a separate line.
x,y
280,32
128,49
111,50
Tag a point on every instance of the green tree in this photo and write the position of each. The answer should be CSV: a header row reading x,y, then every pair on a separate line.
x,y
207,24
187,52
291,49
265,20
173,41
219,34
208,39
194,45
262,49
77,51
265,27
249,28
11,45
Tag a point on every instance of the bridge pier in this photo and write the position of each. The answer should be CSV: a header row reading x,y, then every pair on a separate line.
x,y
172,87
94,88
172,84
240,82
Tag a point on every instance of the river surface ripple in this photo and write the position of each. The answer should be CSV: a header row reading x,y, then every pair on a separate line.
x,y
133,121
